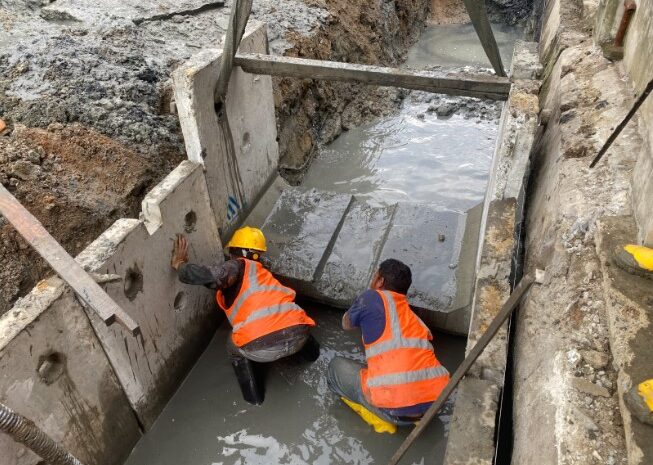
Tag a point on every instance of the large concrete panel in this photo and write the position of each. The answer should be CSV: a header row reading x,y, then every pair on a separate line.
x,y
176,320
301,230
353,259
235,177
54,371
428,240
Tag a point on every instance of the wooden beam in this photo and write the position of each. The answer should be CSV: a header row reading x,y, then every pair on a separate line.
x,y
480,86
64,265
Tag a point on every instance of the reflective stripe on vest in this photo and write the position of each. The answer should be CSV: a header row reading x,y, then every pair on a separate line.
x,y
267,311
407,377
254,287
398,341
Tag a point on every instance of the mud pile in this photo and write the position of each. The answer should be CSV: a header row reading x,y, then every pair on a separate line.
x,y
85,93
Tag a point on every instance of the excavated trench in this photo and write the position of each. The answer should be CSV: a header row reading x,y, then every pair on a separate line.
x,y
430,149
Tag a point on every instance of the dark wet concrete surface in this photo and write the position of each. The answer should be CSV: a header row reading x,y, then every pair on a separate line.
x,y
301,421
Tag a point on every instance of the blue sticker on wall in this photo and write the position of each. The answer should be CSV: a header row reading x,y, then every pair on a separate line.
x,y
232,208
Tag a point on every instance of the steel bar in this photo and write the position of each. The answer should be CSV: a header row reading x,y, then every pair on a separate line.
x,y
638,103
512,302
89,292
480,86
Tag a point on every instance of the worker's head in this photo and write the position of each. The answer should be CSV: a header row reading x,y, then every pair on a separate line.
x,y
247,243
392,275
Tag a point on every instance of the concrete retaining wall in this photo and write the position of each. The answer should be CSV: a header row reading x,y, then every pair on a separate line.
x,y
54,371
176,320
638,65
251,120
90,386
472,437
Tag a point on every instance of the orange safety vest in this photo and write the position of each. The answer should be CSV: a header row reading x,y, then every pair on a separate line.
x,y
262,306
402,369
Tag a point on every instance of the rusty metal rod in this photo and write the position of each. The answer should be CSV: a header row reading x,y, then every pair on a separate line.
x,y
512,302
25,432
629,9
638,103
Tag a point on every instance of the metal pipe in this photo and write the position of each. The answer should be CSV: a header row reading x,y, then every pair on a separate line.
x,y
27,433
629,8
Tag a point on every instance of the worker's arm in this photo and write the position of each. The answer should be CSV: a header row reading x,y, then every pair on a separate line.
x,y
368,314
222,277
346,322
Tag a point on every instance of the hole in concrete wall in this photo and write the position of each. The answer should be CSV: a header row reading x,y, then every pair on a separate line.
x,y
133,282
189,221
180,301
246,142
51,366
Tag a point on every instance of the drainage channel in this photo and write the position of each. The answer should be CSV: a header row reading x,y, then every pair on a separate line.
x,y
433,150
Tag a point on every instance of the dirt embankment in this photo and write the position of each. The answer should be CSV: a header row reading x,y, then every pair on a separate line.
x,y
86,98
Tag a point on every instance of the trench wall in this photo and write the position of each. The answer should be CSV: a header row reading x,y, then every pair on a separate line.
x,y
473,429
638,66
235,173
93,387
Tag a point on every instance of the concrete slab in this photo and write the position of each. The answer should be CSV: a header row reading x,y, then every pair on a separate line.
x,y
299,423
630,322
93,13
177,320
301,230
428,240
76,397
246,136
353,259
477,402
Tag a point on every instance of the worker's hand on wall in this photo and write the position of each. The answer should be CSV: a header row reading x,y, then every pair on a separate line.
x,y
179,252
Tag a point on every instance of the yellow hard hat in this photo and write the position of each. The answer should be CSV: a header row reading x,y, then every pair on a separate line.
x,y
248,238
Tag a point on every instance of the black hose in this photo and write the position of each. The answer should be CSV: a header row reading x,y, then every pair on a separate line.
x,y
27,433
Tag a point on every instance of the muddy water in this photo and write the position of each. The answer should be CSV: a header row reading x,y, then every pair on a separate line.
x,y
458,45
416,155
300,422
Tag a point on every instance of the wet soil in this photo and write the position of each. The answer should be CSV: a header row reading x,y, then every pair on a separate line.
x,y
300,422
107,79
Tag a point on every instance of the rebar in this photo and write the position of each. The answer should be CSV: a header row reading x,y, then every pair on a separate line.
x,y
25,432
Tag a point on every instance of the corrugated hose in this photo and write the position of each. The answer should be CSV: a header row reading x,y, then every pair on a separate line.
x,y
27,433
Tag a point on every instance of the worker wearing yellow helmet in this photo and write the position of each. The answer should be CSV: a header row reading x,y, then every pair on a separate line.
x,y
267,323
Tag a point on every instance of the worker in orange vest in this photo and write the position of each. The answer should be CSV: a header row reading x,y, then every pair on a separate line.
x,y
402,377
267,323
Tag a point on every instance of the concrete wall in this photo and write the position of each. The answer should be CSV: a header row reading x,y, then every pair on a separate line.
x,y
472,436
251,120
176,320
102,382
638,66
78,400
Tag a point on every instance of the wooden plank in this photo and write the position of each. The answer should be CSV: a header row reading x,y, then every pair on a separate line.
x,y
90,293
480,86
512,302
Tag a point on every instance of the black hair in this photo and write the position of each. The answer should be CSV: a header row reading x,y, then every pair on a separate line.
x,y
396,275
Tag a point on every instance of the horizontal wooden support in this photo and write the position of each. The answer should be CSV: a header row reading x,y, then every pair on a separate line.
x,y
480,86
88,291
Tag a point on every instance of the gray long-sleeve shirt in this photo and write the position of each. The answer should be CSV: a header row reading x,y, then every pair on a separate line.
x,y
227,277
